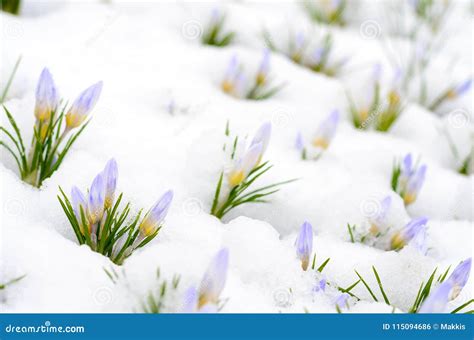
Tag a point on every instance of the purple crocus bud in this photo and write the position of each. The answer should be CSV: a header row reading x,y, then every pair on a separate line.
x,y
459,278
317,55
401,238
190,300
304,244
214,279
262,136
228,85
95,203
406,168
154,218
378,220
462,88
78,200
299,143
245,165
326,131
110,176
232,67
436,302
264,68
299,41
419,242
415,182
341,301
216,15
320,286
83,105
46,96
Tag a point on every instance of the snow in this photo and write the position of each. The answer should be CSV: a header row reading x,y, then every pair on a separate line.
x,y
147,59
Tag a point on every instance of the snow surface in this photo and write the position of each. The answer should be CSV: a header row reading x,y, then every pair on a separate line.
x,y
147,56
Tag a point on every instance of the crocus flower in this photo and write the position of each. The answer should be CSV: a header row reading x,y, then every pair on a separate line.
x,y
245,165
411,179
262,136
83,105
95,203
156,215
264,68
415,182
461,89
228,84
298,47
378,220
436,302
320,286
419,242
216,16
341,301
190,304
190,300
78,201
110,177
299,143
459,277
46,96
401,238
326,131
393,95
214,279
406,170
304,244
317,55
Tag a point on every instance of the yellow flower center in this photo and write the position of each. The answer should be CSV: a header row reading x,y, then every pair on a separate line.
x,y
321,142
397,241
374,230
147,228
409,198
236,178
227,86
74,120
451,94
393,98
261,78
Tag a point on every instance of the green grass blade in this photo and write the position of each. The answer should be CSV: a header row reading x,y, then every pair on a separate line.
x,y
321,267
367,286
377,277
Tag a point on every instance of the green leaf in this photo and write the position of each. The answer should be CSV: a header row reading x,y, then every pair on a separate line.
x,y
15,67
350,232
321,267
464,305
380,286
15,128
366,286
215,202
